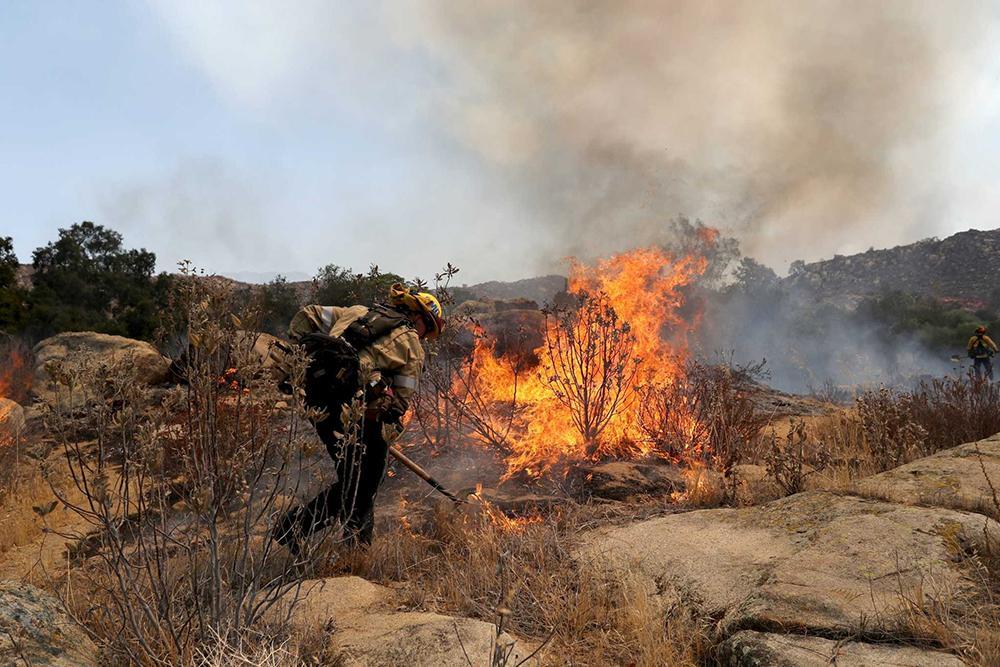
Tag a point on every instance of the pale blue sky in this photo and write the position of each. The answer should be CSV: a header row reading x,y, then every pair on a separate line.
x,y
261,137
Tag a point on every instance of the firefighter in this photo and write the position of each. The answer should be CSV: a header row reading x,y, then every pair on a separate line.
x,y
349,346
981,349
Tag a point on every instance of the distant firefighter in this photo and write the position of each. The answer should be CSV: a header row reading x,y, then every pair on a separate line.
x,y
981,350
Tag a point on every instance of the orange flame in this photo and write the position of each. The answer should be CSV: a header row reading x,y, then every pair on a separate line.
x,y
644,287
12,369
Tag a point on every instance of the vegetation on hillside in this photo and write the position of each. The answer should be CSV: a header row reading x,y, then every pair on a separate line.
x,y
84,280
87,280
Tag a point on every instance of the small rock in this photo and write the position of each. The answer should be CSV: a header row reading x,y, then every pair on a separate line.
x,y
619,480
34,630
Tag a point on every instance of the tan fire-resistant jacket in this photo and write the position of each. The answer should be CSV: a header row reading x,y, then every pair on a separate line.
x,y
398,357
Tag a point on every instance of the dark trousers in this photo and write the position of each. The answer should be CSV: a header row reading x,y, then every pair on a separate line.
x,y
351,499
983,365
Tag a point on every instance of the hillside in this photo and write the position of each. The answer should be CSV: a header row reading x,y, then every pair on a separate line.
x,y
960,268
540,290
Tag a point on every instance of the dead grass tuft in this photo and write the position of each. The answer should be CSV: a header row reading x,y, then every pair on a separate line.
x,y
524,577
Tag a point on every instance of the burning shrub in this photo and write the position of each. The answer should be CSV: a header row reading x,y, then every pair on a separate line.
x,y
459,396
707,413
590,366
624,328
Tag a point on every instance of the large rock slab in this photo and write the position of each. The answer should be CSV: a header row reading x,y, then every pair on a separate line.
x,y
54,355
757,649
11,420
35,631
951,478
813,561
367,631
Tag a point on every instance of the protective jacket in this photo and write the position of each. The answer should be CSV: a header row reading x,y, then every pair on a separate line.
x,y
396,358
987,349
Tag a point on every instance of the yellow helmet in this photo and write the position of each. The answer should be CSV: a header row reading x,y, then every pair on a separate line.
x,y
424,303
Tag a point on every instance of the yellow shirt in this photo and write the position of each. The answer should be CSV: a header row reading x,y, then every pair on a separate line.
x,y
987,341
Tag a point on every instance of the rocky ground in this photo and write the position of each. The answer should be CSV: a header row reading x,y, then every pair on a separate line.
x,y
815,578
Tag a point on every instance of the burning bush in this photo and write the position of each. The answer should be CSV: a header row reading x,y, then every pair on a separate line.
x,y
624,330
590,366
706,414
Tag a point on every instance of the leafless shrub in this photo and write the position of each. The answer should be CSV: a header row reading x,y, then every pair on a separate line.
x,y
179,495
890,427
589,356
706,414
790,460
953,410
891,436
831,392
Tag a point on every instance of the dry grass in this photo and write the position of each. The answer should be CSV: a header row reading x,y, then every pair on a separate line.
x,y
19,524
176,493
523,575
885,428
970,625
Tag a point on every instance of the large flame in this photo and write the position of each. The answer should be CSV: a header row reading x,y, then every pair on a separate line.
x,y
644,287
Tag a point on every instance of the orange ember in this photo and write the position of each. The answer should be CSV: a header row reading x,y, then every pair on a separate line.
x,y
592,365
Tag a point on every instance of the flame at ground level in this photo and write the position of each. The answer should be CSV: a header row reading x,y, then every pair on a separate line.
x,y
13,373
581,401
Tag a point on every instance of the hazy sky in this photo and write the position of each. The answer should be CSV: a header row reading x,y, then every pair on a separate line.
x,y
500,135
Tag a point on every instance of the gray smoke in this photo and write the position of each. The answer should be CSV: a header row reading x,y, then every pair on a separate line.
x,y
803,128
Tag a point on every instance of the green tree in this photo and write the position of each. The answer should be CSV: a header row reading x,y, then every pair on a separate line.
x,y
278,302
11,296
8,263
87,280
339,286
753,277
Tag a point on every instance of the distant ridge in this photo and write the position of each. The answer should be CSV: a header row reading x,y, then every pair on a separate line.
x,y
540,290
963,268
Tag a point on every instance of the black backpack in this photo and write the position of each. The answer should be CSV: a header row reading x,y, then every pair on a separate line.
x,y
334,372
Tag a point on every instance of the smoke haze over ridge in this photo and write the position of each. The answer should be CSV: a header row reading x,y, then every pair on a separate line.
x,y
798,127
504,136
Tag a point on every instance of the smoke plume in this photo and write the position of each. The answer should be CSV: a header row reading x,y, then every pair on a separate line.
x,y
803,128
